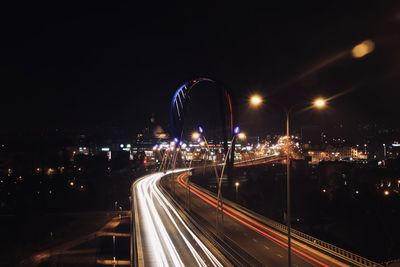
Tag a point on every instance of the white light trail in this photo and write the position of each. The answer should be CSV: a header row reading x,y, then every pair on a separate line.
x,y
156,212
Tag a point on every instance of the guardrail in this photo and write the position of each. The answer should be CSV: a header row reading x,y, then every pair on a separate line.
x,y
316,243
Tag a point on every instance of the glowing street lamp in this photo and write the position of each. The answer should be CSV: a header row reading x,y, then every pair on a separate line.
x,y
195,135
319,103
231,149
237,186
363,49
241,136
237,190
256,100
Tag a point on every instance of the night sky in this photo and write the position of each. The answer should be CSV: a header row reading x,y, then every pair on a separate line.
x,y
83,65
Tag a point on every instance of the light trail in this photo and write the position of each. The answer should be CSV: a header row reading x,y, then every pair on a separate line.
x,y
254,225
157,216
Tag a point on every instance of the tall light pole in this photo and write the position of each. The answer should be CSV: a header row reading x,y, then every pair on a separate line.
x,y
114,256
288,202
236,134
384,151
236,190
319,103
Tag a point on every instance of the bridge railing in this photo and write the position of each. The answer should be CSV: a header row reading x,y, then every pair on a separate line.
x,y
313,242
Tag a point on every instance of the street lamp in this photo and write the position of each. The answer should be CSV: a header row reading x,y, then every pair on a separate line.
x,y
241,136
384,151
256,100
195,135
363,49
114,256
201,139
236,134
237,190
318,103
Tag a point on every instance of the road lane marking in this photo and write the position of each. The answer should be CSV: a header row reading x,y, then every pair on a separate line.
x,y
279,255
267,248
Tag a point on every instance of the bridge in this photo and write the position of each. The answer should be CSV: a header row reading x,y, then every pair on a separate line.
x,y
177,223
171,229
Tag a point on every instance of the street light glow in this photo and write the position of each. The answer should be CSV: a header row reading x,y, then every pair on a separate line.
x,y
241,136
256,100
363,49
195,135
319,103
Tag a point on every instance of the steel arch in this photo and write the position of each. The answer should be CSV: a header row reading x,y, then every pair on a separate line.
x,y
180,101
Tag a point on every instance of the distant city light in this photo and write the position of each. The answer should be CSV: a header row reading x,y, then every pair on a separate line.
x,y
386,192
200,130
236,130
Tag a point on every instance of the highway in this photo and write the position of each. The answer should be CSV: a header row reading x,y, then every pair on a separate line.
x,y
174,232
163,237
266,245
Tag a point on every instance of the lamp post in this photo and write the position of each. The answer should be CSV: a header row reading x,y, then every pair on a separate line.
x,y
237,190
114,256
384,151
198,136
195,136
318,103
236,134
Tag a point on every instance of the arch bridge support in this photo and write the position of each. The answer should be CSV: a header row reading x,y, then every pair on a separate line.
x,y
179,107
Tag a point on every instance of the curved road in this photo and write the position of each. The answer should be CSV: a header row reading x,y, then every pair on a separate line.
x,y
163,237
